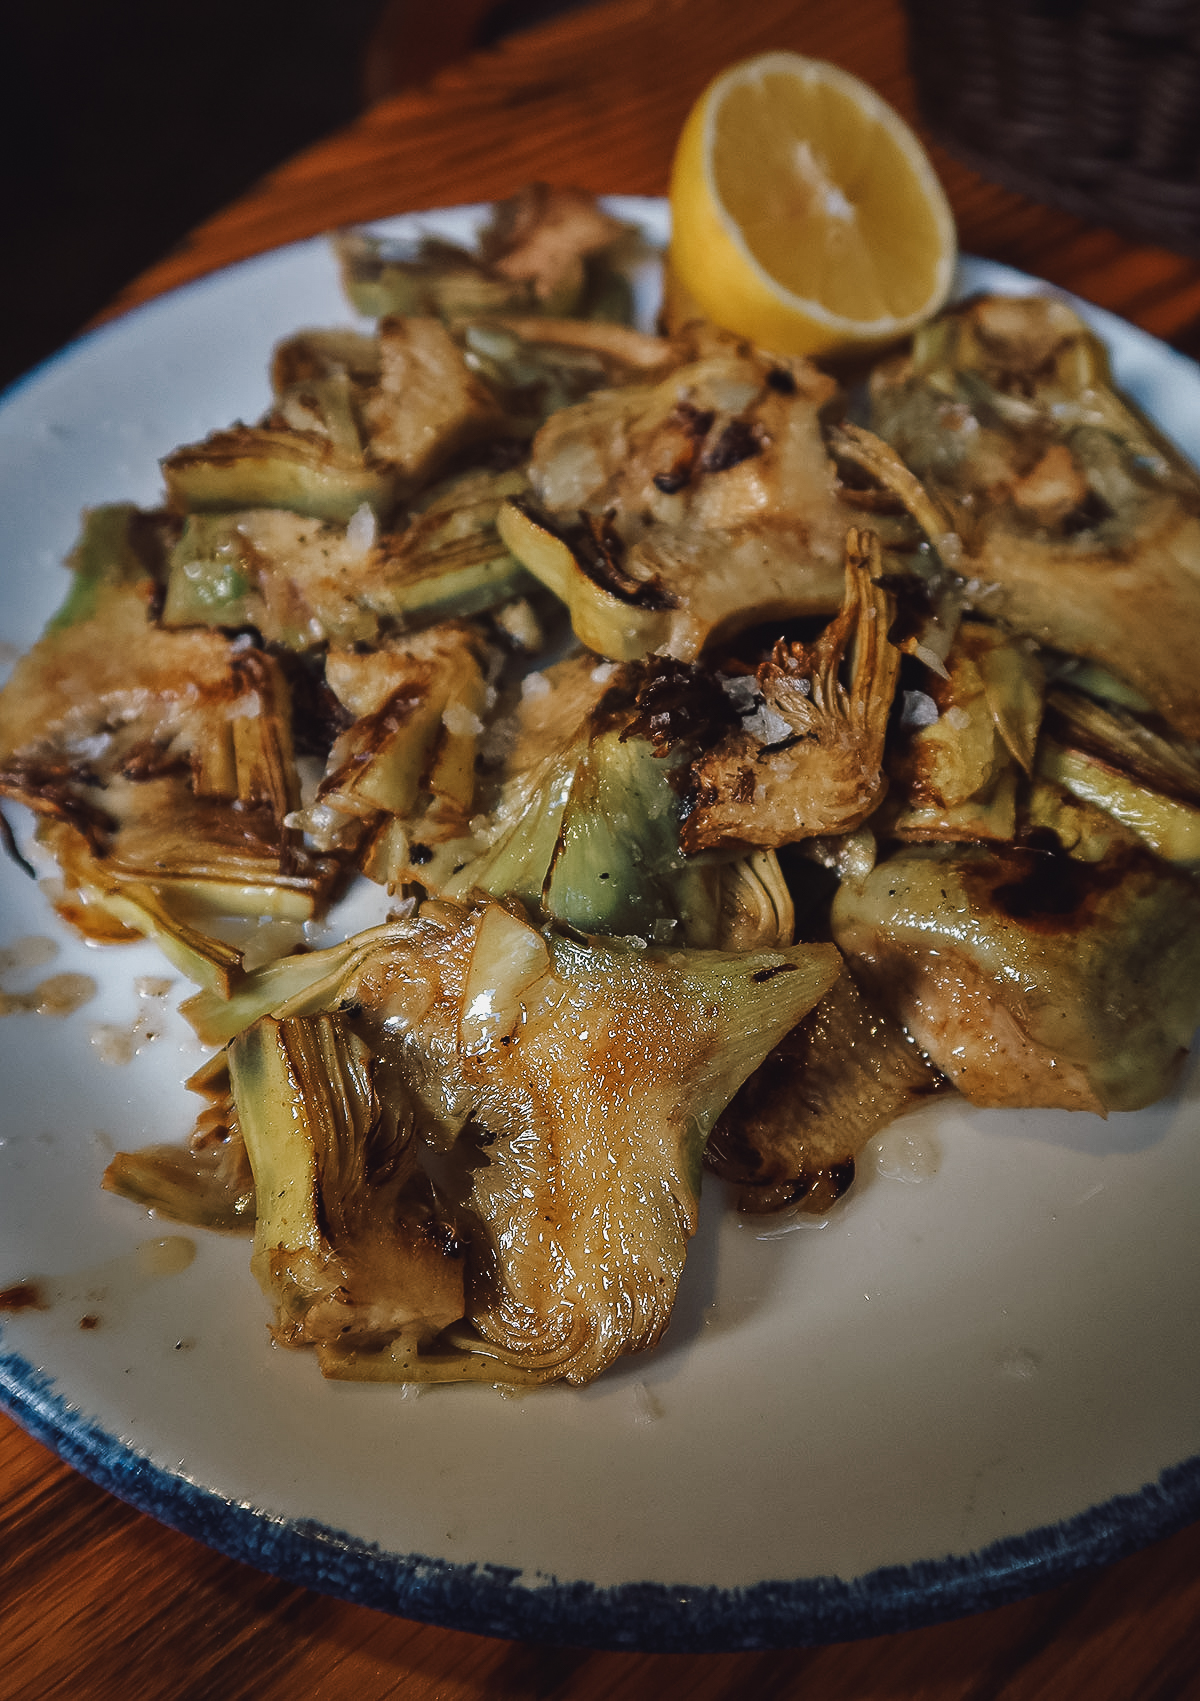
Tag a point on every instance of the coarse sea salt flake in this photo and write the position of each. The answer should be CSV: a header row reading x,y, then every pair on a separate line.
x,y
917,709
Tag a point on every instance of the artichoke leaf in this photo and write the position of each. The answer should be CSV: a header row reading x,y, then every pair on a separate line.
x,y
597,847
348,1241
201,957
1170,827
251,467
586,830
297,985
211,1186
450,560
1140,774
611,613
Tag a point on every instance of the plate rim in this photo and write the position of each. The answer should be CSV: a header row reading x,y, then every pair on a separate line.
x,y
491,1600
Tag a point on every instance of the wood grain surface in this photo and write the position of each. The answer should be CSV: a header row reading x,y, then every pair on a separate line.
x,y
97,1600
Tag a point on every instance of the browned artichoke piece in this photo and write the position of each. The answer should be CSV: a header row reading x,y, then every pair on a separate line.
x,y
792,1133
1030,977
207,1183
449,561
808,757
265,467
431,277
542,237
103,679
596,1069
299,581
1080,526
1111,758
407,758
428,404
536,366
320,380
708,504
544,250
965,739
350,1240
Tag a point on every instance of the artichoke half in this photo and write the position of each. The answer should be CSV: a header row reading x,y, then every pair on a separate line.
x,y
573,1081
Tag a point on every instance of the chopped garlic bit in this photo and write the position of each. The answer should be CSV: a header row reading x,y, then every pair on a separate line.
x,y
949,547
520,624
360,529
535,685
460,721
932,660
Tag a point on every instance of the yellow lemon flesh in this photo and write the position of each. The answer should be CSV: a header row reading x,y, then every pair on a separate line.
x,y
805,213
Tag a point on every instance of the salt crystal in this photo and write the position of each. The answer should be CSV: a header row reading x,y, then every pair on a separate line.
x,y
917,708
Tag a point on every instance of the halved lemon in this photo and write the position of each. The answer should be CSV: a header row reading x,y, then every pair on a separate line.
x,y
805,213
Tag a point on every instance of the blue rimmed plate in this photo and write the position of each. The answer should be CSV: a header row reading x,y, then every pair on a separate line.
x,y
979,1374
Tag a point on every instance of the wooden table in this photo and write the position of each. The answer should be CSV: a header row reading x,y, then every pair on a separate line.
x,y
98,1601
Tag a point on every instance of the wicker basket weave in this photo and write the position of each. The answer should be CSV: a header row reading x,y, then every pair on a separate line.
x,y
1090,105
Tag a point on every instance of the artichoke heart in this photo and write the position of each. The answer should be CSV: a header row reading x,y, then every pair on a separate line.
x,y
592,1074
406,763
162,762
1031,977
597,1113
792,1133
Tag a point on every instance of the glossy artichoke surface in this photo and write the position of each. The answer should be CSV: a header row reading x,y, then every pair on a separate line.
x,y
733,777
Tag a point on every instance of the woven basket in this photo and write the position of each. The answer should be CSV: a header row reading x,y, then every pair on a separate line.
x,y
1090,105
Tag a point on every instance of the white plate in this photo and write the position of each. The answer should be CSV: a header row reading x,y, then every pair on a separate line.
x,y
944,1396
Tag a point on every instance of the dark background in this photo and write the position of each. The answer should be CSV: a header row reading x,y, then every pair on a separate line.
x,y
125,123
